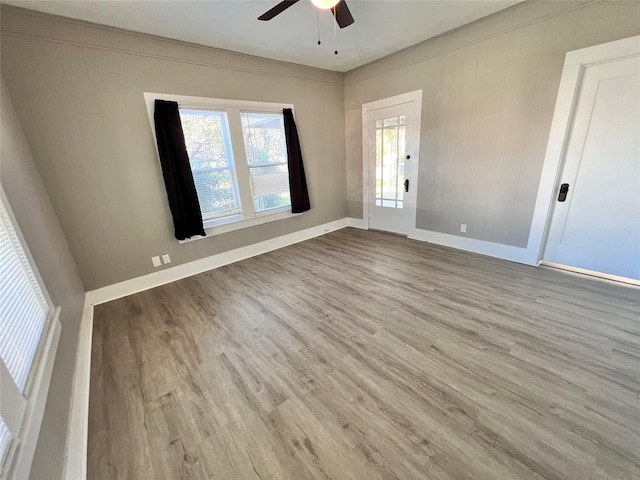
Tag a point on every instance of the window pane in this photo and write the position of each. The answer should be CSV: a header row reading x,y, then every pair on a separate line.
x,y
264,138
208,141
401,157
270,187
266,202
23,308
390,163
5,439
266,149
216,192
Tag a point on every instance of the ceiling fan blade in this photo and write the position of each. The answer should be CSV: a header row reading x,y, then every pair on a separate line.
x,y
342,14
277,10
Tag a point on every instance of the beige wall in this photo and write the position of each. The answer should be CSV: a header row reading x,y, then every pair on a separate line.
x,y
39,224
78,91
489,92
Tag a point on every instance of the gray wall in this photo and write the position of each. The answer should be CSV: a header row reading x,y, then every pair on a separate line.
x,y
78,91
489,92
39,224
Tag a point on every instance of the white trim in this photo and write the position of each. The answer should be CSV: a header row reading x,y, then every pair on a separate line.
x,y
21,451
498,250
208,102
259,219
357,223
367,109
591,273
77,440
155,279
574,65
36,402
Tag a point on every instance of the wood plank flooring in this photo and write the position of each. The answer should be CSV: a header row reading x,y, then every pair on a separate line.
x,y
363,355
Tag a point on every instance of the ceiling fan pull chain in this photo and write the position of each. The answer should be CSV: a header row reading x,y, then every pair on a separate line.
x,y
318,24
335,37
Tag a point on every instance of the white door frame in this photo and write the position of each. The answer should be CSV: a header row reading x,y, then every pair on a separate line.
x,y
367,108
570,83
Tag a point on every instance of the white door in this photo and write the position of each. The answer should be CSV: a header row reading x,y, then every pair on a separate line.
x,y
595,225
392,131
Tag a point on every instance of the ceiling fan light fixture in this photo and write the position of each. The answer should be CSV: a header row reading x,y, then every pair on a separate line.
x,y
325,4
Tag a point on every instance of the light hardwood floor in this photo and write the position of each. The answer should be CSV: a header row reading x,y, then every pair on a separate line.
x,y
363,355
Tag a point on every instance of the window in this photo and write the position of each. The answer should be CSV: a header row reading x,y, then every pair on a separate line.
x,y
238,156
26,318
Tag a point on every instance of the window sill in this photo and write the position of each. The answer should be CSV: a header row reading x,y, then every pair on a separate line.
x,y
237,222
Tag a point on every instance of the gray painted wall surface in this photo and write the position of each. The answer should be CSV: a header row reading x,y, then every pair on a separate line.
x,y
39,224
78,91
489,92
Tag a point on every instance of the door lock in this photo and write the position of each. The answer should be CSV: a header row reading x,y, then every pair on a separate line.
x,y
406,185
564,189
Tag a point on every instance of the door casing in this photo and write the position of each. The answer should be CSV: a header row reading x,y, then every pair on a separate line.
x,y
570,82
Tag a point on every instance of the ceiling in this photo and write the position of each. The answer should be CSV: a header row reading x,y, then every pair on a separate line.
x,y
381,26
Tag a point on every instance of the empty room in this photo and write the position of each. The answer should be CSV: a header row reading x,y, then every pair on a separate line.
x,y
320,239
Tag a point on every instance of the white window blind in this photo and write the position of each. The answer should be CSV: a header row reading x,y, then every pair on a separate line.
x,y
5,439
23,307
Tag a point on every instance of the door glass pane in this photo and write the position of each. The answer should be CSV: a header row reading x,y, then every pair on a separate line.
x,y
390,162
378,162
401,155
390,154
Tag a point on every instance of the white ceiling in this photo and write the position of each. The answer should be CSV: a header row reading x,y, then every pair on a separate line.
x,y
381,26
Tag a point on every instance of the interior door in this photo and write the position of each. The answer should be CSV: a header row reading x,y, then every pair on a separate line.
x,y
595,224
394,142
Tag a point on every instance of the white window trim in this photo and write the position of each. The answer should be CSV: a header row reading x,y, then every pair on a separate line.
x,y
250,217
20,454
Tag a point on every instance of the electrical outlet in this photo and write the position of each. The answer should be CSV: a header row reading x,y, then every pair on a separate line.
x,y
463,227
156,261
166,258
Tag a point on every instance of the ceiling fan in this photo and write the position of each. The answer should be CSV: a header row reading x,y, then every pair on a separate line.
x,y
339,9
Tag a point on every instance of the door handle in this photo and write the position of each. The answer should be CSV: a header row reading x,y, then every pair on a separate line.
x,y
406,185
564,189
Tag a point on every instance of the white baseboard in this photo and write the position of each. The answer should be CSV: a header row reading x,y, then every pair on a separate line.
x,y
591,273
498,250
76,461
155,279
357,223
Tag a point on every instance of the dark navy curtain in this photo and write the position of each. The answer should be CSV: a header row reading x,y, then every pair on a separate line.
x,y
178,179
297,179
